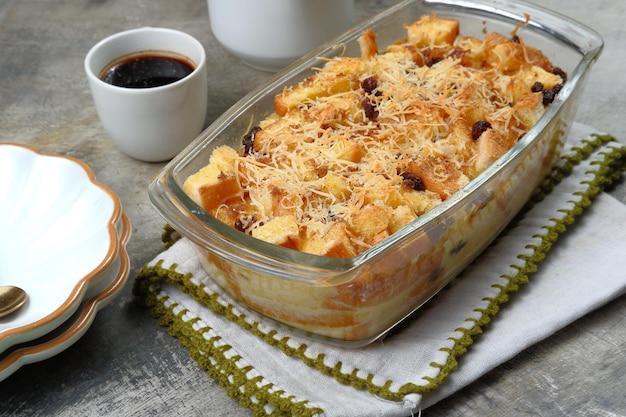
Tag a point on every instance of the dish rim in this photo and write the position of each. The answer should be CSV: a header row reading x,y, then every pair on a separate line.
x,y
72,302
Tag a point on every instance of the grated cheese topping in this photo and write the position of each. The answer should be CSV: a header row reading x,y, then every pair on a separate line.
x,y
368,144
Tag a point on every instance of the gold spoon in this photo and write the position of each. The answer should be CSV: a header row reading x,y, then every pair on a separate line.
x,y
11,299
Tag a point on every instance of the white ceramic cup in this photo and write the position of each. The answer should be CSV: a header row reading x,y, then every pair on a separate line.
x,y
269,34
150,124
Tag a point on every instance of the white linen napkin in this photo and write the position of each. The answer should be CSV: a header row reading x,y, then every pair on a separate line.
x,y
271,370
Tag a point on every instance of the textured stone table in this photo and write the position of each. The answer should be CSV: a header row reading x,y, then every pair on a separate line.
x,y
127,365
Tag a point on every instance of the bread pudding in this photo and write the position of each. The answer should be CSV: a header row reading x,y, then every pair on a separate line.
x,y
367,144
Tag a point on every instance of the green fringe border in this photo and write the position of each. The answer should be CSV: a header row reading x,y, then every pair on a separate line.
x,y
210,355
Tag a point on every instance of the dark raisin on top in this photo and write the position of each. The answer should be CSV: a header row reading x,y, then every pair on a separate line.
x,y
369,84
413,181
248,140
370,109
432,56
240,225
479,127
243,223
558,71
515,39
432,60
457,53
548,96
536,87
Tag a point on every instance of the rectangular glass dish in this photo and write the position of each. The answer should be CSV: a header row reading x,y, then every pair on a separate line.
x,y
354,301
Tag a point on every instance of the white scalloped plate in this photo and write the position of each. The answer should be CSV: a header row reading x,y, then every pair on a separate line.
x,y
66,334
59,237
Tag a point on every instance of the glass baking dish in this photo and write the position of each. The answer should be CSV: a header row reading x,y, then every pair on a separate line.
x,y
354,301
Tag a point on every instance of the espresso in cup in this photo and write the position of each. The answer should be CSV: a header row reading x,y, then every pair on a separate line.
x,y
147,69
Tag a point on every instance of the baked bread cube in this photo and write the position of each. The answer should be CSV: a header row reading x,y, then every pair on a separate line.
x,y
216,182
430,31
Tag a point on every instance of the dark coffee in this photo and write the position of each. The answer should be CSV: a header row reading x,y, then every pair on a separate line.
x,y
147,69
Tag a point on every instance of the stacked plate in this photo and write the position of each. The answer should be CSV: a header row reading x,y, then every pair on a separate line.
x,y
63,240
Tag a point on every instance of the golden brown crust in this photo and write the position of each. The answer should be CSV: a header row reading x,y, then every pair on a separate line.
x,y
367,43
338,77
431,31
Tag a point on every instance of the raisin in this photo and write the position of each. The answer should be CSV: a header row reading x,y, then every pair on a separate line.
x,y
243,223
558,71
432,56
239,225
413,181
479,127
515,39
432,61
369,85
248,140
370,109
457,53
537,87
548,96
